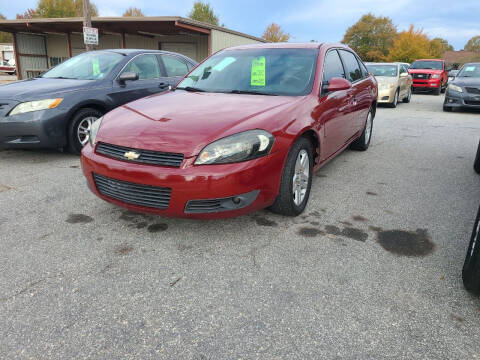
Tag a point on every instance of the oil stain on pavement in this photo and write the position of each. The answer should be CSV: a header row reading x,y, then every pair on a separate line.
x,y
310,232
154,228
405,243
78,219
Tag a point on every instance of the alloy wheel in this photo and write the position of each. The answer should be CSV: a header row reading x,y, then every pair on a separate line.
x,y
368,128
301,177
83,130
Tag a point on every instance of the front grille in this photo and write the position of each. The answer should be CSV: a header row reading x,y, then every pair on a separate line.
x,y
473,90
146,156
472,102
421,76
204,206
131,193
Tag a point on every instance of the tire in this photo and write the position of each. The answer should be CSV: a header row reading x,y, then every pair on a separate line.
x,y
447,108
444,88
286,203
394,102
471,266
476,163
363,142
437,90
76,137
409,96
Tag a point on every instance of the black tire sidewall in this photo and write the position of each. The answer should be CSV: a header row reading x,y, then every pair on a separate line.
x,y
476,163
74,144
284,203
471,266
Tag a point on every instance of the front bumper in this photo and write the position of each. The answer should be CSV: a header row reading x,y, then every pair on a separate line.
x,y
386,95
455,99
189,182
36,129
429,84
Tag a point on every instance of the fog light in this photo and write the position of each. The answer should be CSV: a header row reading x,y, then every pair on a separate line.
x,y
236,200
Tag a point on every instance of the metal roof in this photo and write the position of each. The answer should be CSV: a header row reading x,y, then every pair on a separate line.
x,y
161,25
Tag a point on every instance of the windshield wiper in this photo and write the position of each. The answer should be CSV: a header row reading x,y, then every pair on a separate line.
x,y
251,92
190,88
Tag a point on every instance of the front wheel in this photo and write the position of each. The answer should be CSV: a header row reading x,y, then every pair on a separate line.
x,y
363,142
79,129
296,180
476,163
471,267
394,103
438,90
409,96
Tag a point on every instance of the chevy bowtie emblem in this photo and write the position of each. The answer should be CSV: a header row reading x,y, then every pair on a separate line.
x,y
131,155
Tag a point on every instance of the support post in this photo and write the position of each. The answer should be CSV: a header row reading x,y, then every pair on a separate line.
x,y
87,19
17,57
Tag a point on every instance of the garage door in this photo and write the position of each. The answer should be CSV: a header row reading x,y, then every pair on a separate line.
x,y
187,49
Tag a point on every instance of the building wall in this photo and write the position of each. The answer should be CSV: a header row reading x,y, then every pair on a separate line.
x,y
222,40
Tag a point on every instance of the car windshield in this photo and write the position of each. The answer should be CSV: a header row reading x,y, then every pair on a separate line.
x,y
87,66
421,64
255,71
470,70
383,70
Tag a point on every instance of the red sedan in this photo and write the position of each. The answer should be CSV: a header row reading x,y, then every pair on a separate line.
x,y
243,131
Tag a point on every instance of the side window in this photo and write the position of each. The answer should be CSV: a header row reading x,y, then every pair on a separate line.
x,y
403,69
363,68
174,66
351,65
332,66
146,66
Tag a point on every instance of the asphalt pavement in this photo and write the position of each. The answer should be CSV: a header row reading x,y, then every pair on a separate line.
x,y
371,270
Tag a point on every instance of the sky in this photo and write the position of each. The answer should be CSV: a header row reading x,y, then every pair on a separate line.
x,y
305,20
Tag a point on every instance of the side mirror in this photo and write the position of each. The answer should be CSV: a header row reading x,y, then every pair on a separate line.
x,y
127,76
405,74
337,84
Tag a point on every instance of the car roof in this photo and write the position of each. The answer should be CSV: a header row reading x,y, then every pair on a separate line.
x,y
472,63
429,60
130,52
383,63
282,45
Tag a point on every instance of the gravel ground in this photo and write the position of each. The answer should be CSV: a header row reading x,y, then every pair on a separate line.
x,y
371,270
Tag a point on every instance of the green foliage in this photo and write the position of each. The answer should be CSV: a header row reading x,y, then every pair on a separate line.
x,y
5,37
473,44
274,33
62,8
203,12
133,12
371,37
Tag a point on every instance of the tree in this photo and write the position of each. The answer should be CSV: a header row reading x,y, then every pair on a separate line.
x,y
473,44
371,37
438,46
203,12
62,8
274,33
410,45
28,14
133,12
5,37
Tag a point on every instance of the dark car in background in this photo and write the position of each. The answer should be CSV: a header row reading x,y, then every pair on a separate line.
x,y
429,75
56,109
464,90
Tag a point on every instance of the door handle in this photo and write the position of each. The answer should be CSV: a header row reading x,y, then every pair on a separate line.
x,y
162,85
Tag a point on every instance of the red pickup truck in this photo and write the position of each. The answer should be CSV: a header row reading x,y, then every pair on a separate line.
x,y
429,74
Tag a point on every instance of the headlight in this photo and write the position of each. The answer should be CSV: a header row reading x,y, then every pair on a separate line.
x,y
435,76
94,130
455,88
236,148
386,86
35,106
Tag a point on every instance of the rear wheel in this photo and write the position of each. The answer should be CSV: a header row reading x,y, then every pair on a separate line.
x,y
296,180
471,267
79,129
363,142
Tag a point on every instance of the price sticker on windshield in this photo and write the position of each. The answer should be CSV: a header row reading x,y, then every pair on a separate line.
x,y
96,67
257,77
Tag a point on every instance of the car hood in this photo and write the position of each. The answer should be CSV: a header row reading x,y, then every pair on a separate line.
x,y
41,88
425,71
466,81
386,79
185,122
